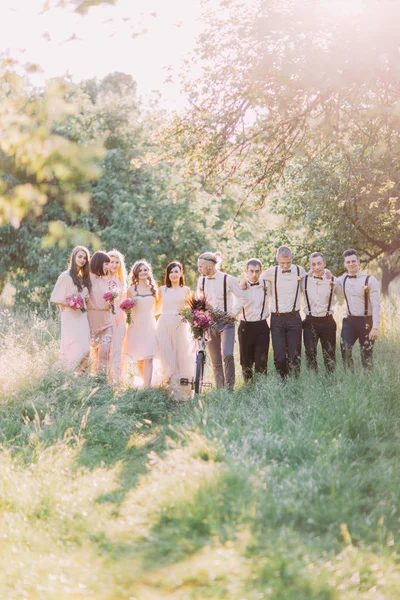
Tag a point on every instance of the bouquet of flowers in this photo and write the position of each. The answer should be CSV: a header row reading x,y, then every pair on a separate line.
x,y
110,297
127,306
76,302
201,316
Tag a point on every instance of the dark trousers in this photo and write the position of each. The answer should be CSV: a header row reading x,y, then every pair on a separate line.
x,y
286,331
320,329
221,346
254,346
353,329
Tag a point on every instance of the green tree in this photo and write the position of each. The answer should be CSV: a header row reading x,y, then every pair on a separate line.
x,y
285,86
37,163
141,210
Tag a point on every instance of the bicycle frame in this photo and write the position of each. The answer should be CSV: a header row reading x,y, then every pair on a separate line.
x,y
197,382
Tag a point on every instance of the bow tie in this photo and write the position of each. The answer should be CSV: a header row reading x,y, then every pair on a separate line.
x,y
251,284
287,271
317,277
352,276
210,278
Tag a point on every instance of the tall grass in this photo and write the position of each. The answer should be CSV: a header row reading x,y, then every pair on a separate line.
x,y
275,491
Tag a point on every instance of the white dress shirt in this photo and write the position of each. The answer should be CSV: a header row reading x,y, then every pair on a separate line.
x,y
319,293
355,296
286,285
214,291
257,297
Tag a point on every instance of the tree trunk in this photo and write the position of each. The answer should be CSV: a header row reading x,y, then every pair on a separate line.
x,y
388,275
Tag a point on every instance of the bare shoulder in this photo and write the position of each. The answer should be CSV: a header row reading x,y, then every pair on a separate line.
x,y
131,291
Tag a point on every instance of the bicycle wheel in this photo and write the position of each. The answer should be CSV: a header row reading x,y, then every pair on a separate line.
x,y
198,381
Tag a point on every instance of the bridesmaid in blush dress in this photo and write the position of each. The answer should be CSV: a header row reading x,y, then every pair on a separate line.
x,y
75,335
99,314
118,282
175,346
141,343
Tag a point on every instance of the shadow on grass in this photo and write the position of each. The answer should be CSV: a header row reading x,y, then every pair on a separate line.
x,y
214,511
107,426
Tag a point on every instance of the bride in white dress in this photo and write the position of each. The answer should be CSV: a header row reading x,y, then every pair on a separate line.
x,y
175,346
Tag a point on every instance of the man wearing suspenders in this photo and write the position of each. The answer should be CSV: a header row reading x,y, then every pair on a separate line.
x,y
220,289
253,332
362,297
319,324
286,324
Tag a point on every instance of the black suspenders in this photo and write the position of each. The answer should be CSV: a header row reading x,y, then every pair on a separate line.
x,y
203,283
263,304
330,296
276,290
297,290
225,298
306,295
345,295
365,296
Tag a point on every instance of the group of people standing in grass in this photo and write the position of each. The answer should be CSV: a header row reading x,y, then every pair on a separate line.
x,y
101,330
98,329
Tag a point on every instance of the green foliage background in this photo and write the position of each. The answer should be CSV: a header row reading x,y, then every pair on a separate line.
x,y
144,210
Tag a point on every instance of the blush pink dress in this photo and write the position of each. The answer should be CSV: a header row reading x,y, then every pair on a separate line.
x,y
75,334
118,334
141,342
175,346
99,312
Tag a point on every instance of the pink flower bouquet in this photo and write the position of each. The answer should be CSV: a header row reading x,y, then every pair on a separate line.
x,y
76,302
201,316
110,297
127,306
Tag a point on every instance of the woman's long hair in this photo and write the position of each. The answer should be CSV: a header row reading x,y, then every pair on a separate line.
x,y
81,276
168,270
121,273
134,275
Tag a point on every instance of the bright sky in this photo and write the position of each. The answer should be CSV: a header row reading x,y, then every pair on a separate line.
x,y
105,40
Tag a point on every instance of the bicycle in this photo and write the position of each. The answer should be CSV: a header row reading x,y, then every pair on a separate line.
x,y
198,382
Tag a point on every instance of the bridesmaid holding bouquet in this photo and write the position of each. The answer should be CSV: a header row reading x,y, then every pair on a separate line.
x,y
118,282
175,347
141,343
99,311
70,294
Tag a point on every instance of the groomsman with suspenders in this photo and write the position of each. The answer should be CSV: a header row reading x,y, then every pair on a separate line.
x,y
220,290
253,332
362,297
286,324
319,324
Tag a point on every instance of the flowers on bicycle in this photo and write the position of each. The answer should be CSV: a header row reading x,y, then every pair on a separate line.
x,y
201,316
202,319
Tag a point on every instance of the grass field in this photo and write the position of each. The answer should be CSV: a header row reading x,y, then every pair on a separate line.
x,y
283,492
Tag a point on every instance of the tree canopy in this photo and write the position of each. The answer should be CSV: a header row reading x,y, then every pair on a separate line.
x,y
300,100
143,210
